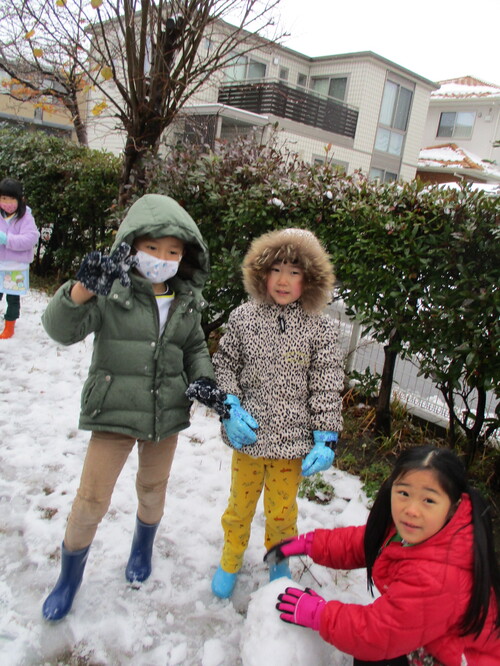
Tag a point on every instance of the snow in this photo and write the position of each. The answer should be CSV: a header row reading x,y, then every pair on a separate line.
x,y
488,188
256,652
276,202
452,156
453,89
173,618
443,154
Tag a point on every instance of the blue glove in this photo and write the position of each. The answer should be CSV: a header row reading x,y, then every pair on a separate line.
x,y
240,425
322,455
98,271
3,238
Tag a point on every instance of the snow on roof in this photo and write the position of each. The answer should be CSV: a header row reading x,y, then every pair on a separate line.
x,y
488,188
451,156
465,87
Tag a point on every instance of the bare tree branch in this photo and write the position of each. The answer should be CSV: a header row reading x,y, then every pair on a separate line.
x,y
141,58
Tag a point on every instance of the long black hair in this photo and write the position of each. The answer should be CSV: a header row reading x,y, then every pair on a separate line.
x,y
452,477
13,188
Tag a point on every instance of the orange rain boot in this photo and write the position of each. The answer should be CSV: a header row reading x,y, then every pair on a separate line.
x,y
8,331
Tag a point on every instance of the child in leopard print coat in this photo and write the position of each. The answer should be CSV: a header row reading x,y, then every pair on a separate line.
x,y
280,357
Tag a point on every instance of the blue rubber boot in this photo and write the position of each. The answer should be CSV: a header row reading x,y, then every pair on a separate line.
x,y
223,583
139,563
281,570
58,604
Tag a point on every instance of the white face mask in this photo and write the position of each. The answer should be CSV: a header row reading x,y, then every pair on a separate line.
x,y
155,270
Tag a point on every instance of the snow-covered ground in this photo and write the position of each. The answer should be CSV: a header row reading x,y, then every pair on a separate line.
x,y
173,618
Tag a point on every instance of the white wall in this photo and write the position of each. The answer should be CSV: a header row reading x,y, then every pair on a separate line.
x,y
486,127
366,76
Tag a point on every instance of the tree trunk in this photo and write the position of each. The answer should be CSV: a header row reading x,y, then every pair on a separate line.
x,y
212,326
383,409
81,131
141,143
474,433
452,431
127,178
80,128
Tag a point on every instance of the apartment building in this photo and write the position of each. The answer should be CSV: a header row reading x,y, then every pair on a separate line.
x,y
47,115
463,124
360,110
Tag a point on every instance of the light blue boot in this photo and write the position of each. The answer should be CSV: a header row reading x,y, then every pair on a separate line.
x,y
223,583
139,563
281,570
58,604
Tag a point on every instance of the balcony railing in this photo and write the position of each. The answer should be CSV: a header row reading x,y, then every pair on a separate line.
x,y
298,104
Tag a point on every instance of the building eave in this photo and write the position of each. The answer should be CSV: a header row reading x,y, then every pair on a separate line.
x,y
215,109
477,174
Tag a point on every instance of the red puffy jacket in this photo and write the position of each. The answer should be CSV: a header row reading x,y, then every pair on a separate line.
x,y
425,591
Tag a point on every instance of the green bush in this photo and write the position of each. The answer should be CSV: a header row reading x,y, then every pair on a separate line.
x,y
315,489
70,190
366,384
235,195
417,266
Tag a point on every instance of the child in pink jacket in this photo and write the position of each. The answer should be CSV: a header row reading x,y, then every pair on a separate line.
x,y
18,236
428,549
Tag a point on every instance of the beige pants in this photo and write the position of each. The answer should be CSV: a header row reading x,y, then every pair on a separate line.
x,y
106,455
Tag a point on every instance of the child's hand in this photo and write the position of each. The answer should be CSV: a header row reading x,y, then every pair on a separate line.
x,y
3,238
240,425
302,607
98,271
322,454
299,545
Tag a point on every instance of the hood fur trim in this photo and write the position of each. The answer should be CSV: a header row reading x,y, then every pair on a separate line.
x,y
295,246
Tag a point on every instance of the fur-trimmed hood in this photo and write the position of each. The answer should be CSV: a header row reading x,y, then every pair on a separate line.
x,y
297,246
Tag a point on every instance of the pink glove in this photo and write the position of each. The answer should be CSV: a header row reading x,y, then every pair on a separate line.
x,y
299,545
302,607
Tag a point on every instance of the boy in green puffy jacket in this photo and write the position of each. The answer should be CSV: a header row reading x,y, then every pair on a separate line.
x,y
143,304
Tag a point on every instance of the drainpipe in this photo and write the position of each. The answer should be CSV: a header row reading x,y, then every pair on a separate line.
x,y
496,135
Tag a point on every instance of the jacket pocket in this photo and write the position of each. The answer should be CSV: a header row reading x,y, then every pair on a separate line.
x,y
94,392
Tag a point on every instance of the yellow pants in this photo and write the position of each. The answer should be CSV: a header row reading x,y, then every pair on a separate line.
x,y
280,480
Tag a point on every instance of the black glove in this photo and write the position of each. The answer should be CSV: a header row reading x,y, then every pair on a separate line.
x,y
297,545
98,271
205,390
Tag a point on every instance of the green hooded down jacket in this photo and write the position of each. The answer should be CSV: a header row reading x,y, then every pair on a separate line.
x,y
137,380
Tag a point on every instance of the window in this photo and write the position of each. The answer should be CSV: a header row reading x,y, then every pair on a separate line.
x,y
389,142
458,125
243,68
330,86
382,175
302,80
394,116
256,70
396,103
339,165
283,74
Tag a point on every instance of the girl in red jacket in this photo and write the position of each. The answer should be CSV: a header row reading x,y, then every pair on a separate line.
x,y
428,548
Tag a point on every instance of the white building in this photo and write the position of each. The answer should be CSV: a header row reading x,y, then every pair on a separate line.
x,y
358,109
463,124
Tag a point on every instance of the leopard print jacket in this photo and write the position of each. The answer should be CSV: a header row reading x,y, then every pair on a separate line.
x,y
285,366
